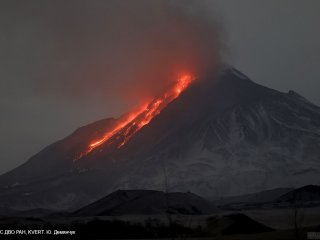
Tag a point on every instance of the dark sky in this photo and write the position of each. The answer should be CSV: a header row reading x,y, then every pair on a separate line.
x,y
65,64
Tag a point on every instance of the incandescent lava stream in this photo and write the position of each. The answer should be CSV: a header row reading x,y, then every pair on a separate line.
x,y
135,120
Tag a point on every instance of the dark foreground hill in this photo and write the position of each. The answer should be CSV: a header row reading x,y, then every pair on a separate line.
x,y
235,224
147,202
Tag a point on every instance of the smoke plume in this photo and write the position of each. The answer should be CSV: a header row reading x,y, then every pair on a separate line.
x,y
65,64
123,50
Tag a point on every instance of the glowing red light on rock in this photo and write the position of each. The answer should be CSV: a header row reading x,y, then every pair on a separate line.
x,y
129,125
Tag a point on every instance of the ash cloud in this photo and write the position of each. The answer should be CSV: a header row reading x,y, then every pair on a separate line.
x,y
116,50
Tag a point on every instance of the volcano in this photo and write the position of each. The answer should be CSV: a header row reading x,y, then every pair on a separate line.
x,y
222,135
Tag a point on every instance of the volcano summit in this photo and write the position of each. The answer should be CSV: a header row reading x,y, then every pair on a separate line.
x,y
220,135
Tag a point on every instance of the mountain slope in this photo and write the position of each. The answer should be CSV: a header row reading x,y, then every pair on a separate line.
x,y
254,198
304,194
225,135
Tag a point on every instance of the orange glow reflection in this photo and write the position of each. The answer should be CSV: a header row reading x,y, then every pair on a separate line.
x,y
126,128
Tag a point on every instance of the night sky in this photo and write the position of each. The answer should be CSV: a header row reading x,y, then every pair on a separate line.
x,y
65,64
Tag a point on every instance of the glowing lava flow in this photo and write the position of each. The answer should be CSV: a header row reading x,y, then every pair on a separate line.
x,y
135,120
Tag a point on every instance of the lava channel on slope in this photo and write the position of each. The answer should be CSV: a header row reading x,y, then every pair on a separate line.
x,y
131,123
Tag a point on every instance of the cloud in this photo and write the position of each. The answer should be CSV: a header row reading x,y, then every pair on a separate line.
x,y
113,50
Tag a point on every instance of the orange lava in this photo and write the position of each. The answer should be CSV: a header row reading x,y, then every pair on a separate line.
x,y
134,121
